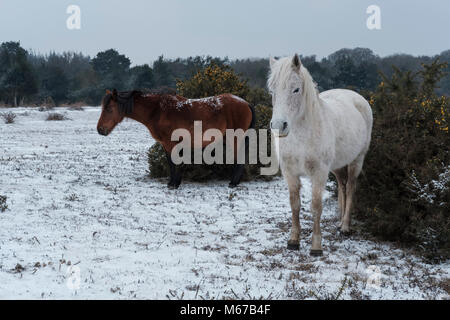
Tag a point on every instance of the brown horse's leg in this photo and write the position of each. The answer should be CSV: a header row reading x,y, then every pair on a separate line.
x,y
238,170
172,171
175,173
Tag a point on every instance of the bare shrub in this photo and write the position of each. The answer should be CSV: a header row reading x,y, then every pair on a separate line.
x,y
3,205
47,105
76,108
8,117
55,116
45,108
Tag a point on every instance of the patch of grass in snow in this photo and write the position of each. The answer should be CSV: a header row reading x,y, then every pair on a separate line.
x,y
72,197
320,292
3,205
445,285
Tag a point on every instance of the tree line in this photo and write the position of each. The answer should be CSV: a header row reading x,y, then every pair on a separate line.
x,y
28,78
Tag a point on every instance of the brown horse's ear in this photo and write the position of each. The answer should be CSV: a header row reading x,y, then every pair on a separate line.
x,y
114,94
108,92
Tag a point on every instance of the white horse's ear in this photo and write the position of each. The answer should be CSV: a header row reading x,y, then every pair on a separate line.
x,y
296,63
272,61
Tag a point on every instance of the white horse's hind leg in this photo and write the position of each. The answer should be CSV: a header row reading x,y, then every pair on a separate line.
x,y
294,185
318,185
341,177
354,169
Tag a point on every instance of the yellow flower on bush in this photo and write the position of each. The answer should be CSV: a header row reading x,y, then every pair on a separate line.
x,y
211,81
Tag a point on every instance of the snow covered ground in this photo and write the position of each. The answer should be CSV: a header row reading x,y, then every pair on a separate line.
x,y
86,222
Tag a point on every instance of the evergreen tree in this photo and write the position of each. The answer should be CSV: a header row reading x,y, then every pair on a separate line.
x,y
141,77
161,72
17,79
54,84
112,68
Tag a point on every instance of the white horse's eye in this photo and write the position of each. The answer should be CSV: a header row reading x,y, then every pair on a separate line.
x,y
296,90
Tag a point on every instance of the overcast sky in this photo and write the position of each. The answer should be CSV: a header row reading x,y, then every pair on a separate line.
x,y
145,29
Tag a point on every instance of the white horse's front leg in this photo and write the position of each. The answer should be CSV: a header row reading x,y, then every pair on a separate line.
x,y
318,185
294,185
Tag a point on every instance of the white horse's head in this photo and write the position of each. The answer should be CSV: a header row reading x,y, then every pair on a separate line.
x,y
287,86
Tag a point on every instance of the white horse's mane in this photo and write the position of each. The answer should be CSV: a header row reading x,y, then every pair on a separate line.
x,y
310,91
281,72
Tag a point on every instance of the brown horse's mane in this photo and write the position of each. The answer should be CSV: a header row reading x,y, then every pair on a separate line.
x,y
125,100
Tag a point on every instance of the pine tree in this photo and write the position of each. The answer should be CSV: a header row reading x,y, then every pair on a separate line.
x,y
17,79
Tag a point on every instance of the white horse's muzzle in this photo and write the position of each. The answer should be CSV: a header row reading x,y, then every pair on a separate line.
x,y
280,128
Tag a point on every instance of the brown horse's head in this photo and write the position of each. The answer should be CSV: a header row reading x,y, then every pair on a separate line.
x,y
111,113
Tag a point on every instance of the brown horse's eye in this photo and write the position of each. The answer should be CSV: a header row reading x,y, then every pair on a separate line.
x,y
108,109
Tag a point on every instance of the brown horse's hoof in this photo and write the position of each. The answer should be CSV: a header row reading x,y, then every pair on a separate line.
x,y
172,186
316,253
232,185
293,245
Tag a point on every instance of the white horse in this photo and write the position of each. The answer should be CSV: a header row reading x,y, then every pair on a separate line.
x,y
318,133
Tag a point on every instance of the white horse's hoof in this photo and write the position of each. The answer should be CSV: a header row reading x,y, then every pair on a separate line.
x,y
344,231
293,245
316,252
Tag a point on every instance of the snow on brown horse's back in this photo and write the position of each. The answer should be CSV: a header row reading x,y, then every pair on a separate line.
x,y
162,114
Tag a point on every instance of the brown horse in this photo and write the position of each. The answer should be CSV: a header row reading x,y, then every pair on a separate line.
x,y
162,114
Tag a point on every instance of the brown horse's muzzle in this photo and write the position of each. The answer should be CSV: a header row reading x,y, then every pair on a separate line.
x,y
103,131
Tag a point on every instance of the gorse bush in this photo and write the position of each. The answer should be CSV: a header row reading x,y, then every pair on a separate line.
x,y
210,81
404,191
214,80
